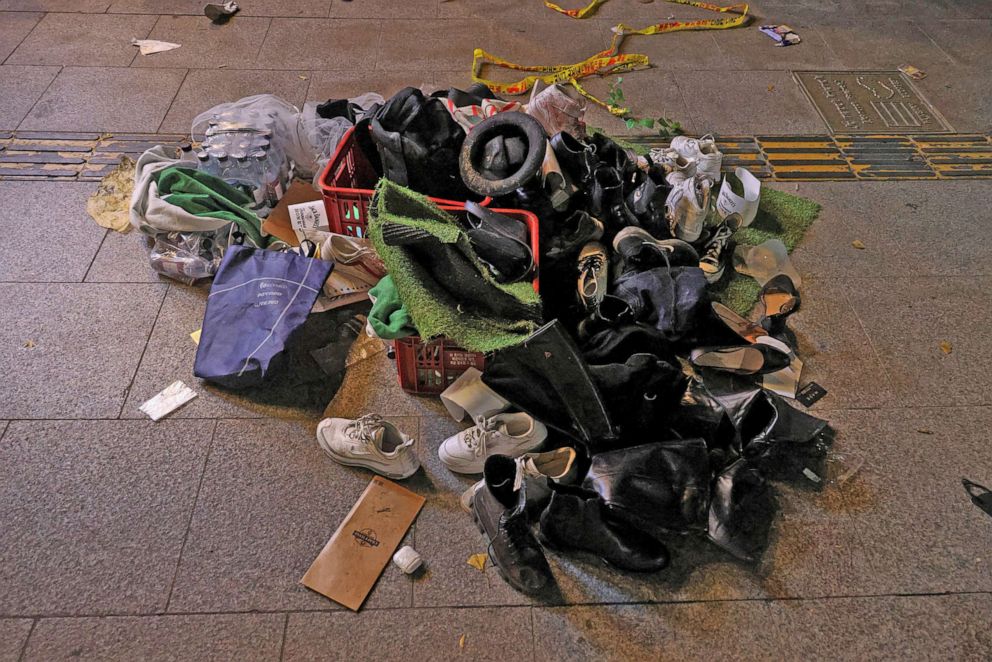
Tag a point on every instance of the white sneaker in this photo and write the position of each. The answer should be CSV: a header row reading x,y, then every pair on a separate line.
x,y
687,205
369,442
677,167
703,151
502,434
356,269
559,465
356,251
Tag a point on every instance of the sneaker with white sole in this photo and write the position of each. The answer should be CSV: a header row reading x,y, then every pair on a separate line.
x,y
593,275
677,167
703,151
687,207
369,442
502,434
558,465
714,259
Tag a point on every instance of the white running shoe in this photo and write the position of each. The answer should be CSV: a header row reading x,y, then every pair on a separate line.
x,y
687,206
369,442
558,465
502,434
677,167
703,151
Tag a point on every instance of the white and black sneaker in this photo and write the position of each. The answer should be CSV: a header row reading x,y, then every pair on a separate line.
x,y
593,274
714,259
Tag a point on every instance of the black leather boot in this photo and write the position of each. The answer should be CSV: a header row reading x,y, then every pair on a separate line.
x,y
576,522
547,377
501,242
500,513
647,202
607,201
577,158
741,511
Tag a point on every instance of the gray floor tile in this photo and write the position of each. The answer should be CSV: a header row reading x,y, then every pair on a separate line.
x,y
205,45
384,9
517,9
22,86
883,44
213,637
87,340
13,28
105,99
676,51
966,41
844,12
907,319
86,6
298,43
284,8
921,533
13,635
748,48
960,94
123,258
270,500
489,634
35,209
96,512
204,89
763,102
928,627
90,40
326,85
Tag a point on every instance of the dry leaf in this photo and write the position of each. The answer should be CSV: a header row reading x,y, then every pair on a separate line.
x,y
30,344
924,431
461,641
771,88
857,243
945,347
478,561
302,77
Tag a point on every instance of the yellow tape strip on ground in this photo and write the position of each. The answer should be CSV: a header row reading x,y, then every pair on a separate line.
x,y
609,61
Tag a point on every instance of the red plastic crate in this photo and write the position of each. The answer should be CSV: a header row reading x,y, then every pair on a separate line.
x,y
346,185
427,368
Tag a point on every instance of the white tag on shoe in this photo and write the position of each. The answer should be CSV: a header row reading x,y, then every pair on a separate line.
x,y
729,202
174,396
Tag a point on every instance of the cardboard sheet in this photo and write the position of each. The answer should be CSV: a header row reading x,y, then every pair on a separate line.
x,y
357,553
278,222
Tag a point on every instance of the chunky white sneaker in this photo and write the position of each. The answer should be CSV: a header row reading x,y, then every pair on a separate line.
x,y
502,434
703,151
558,465
687,206
369,442
677,167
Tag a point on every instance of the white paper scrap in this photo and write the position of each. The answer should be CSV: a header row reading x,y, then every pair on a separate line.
x,y
150,46
174,396
729,202
308,216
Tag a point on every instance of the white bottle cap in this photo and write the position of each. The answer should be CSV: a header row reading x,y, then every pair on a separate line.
x,y
408,559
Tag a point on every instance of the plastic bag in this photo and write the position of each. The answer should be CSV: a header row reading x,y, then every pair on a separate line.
x,y
187,256
324,134
259,298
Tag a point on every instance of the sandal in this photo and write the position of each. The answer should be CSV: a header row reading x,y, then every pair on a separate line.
x,y
779,298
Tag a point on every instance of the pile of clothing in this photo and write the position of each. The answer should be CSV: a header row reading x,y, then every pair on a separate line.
x,y
620,405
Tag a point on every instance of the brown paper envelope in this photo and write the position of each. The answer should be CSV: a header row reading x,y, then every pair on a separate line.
x,y
277,223
357,553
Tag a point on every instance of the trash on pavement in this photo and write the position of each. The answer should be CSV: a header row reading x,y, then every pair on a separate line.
x,y
980,495
171,398
152,46
109,204
913,72
782,34
352,560
220,13
408,560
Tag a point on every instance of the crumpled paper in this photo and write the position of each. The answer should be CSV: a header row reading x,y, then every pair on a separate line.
x,y
150,46
109,205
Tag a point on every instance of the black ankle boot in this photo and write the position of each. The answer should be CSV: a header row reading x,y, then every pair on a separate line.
x,y
647,202
577,158
576,522
607,200
500,513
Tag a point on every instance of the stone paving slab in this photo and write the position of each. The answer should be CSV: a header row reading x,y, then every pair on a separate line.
x,y
152,638
95,513
55,354
13,635
13,29
205,45
93,40
22,86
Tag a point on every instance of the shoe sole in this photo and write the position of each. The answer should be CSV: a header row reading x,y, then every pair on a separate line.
x,y
460,467
745,360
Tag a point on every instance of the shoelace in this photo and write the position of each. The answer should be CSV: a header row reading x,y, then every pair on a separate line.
x,y
717,244
477,438
587,271
363,427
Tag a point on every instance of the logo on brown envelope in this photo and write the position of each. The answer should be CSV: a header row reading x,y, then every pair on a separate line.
x,y
366,537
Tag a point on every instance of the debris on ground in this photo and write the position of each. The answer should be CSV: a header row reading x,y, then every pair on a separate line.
x,y
946,347
782,34
152,46
860,245
913,72
478,561
29,344
171,398
220,13
109,205
980,495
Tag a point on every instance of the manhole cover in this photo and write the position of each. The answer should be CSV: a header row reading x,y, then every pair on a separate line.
x,y
870,102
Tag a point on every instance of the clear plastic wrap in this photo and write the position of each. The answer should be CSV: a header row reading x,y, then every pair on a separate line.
x,y
187,256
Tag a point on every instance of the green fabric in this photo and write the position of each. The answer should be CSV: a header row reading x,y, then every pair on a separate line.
x,y
427,294
202,194
780,216
389,318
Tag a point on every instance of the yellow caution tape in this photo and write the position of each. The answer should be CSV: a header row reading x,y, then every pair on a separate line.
x,y
609,61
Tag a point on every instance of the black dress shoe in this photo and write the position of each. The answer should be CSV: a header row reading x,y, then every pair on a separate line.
x,y
756,359
500,512
576,157
577,522
500,242
572,234
640,250
741,511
